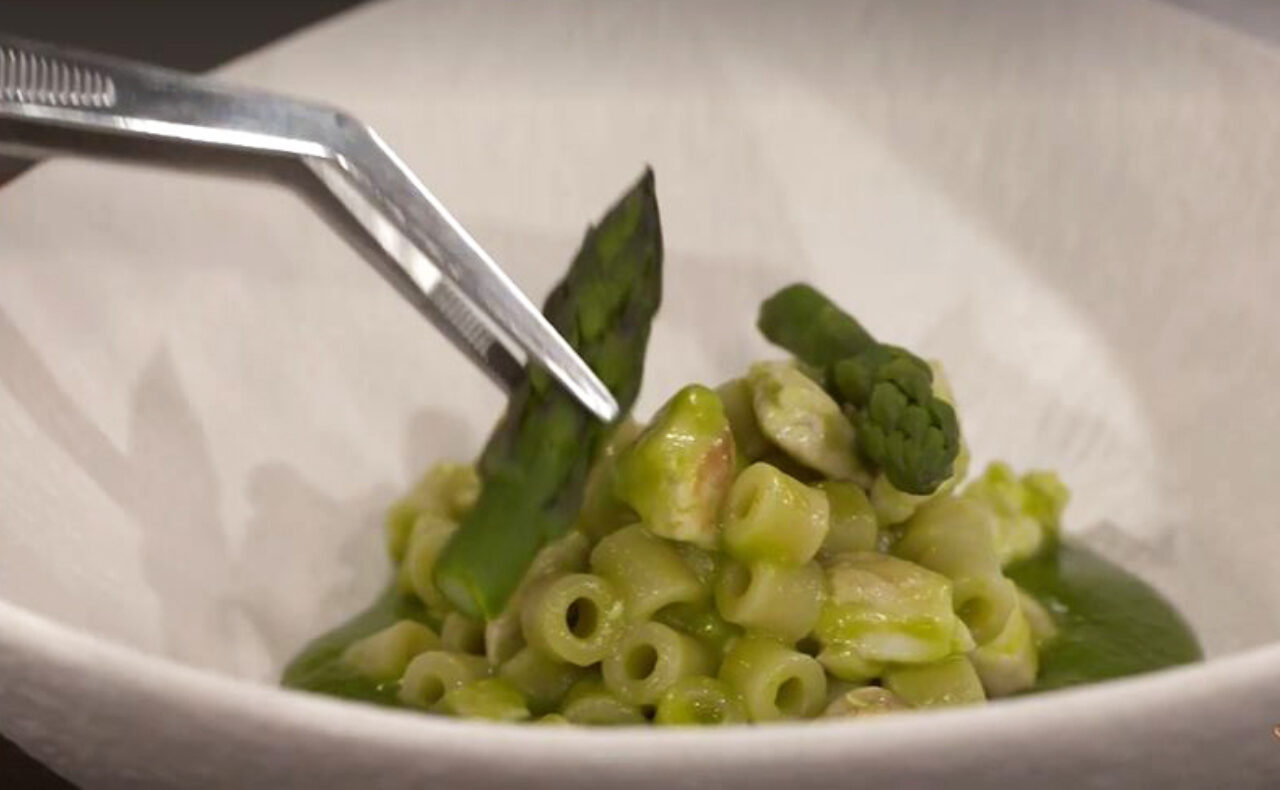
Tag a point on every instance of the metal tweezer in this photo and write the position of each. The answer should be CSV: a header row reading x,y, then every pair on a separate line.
x,y
54,101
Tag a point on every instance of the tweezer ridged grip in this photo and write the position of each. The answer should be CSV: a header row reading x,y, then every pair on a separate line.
x,y
34,78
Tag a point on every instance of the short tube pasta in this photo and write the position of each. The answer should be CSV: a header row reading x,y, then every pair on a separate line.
x,y
430,675
589,702
985,604
447,490
954,537
702,622
384,655
650,659
503,636
864,701
772,517
774,681
778,600
1008,662
461,634
543,681
852,520
573,618
952,681
430,533
646,571
1043,627
487,698
846,663
749,440
700,701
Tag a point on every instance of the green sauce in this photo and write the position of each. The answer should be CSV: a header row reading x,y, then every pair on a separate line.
x,y
320,667
1111,623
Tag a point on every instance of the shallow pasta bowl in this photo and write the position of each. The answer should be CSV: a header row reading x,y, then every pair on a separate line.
x,y
205,403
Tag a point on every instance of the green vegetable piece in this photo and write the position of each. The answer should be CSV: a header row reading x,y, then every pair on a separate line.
x,y
806,323
950,682
535,464
678,471
902,426
488,698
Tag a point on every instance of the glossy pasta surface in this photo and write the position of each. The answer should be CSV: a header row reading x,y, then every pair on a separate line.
x,y
710,584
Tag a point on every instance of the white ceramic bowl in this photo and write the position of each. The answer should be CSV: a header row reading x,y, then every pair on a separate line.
x,y
205,400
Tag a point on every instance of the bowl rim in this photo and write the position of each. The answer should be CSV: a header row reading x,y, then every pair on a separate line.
x,y
131,672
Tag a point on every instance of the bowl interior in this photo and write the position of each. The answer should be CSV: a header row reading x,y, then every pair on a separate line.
x,y
206,400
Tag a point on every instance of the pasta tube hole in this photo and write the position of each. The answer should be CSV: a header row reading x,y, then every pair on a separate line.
x,y
641,661
430,691
582,617
790,698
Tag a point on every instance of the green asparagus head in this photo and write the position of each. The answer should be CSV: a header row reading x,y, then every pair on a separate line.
x,y
676,474
535,464
902,427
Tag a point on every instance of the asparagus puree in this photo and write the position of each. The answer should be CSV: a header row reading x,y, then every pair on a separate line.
x,y
1110,622
320,667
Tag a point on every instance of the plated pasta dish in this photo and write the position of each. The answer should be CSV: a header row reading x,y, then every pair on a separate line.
x,y
799,539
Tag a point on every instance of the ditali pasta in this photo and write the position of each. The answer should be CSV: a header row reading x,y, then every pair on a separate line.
x,y
734,590
798,542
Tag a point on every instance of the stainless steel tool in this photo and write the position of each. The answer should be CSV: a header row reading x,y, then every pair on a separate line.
x,y
59,102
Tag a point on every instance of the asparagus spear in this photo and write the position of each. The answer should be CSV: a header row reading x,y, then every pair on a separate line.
x,y
806,323
535,463
901,426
